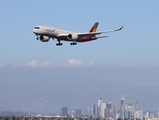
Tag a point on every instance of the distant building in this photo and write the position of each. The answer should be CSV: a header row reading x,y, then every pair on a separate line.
x,y
107,113
71,114
135,105
126,115
115,110
64,111
108,105
111,106
117,116
99,107
94,110
130,114
89,112
138,114
147,115
122,105
152,115
78,113
103,106
130,107
156,114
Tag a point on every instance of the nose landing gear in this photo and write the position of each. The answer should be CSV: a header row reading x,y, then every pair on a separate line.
x,y
37,38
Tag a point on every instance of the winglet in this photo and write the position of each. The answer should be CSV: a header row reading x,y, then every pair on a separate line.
x,y
120,28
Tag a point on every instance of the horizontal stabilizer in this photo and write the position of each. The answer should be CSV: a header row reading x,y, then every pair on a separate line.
x,y
102,37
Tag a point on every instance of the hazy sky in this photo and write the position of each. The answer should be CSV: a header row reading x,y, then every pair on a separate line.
x,y
129,55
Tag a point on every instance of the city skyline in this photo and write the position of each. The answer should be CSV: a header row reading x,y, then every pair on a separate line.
x,y
109,110
102,109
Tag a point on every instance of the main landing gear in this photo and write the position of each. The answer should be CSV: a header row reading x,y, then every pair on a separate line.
x,y
73,43
59,43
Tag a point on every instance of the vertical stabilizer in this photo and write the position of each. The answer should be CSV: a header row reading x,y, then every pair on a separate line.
x,y
94,28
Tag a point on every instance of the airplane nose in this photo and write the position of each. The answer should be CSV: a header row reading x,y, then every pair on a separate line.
x,y
34,31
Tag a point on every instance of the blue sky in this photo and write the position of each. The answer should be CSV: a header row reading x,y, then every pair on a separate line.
x,y
137,43
130,56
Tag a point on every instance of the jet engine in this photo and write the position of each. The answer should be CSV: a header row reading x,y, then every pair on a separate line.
x,y
44,38
72,36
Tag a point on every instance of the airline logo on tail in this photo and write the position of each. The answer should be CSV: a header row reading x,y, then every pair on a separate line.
x,y
94,28
91,37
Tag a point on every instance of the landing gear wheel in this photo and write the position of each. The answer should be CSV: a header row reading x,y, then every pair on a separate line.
x,y
59,44
73,43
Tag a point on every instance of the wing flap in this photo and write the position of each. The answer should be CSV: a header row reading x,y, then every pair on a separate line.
x,y
102,37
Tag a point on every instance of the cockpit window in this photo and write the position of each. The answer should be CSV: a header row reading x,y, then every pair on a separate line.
x,y
36,28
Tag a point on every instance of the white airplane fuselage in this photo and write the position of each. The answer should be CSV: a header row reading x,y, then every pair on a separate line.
x,y
55,32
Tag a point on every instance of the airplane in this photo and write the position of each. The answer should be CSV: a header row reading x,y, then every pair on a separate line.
x,y
44,33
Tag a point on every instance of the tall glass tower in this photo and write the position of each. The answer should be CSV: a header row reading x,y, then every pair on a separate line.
x,y
99,107
122,106
94,111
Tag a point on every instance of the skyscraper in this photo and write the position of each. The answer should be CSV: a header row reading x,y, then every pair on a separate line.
x,y
122,105
103,106
126,114
89,112
94,110
64,111
129,114
99,107
115,110
147,114
135,106
130,107
111,105
78,113
107,112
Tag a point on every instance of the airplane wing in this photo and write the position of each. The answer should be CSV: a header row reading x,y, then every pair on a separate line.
x,y
90,33
100,32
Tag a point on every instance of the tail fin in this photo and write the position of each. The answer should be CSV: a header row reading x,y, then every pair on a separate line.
x,y
94,28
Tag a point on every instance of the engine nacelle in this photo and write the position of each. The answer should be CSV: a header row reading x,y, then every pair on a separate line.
x,y
44,38
72,36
